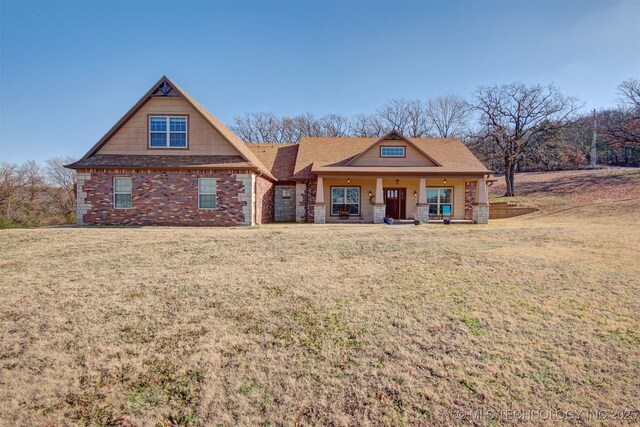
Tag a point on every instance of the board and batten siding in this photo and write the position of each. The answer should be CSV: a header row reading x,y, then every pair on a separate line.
x,y
203,139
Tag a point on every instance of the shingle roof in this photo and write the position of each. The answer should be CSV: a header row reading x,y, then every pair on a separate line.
x,y
141,161
278,158
333,154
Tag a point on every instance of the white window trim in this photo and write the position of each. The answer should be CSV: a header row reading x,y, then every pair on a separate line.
x,y
130,193
404,151
345,199
438,204
215,195
168,132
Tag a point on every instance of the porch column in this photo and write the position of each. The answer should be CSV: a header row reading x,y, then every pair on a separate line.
x,y
481,207
422,210
379,207
319,210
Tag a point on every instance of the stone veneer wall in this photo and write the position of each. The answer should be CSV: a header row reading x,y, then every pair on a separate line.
x,y
469,199
285,208
305,200
165,198
265,195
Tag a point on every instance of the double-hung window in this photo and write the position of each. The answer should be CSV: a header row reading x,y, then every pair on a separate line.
x,y
206,193
122,192
392,151
347,198
440,201
168,131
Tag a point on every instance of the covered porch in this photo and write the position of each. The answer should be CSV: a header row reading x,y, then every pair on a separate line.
x,y
369,199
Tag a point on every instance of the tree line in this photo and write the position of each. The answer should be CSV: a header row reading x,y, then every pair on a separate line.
x,y
33,195
511,128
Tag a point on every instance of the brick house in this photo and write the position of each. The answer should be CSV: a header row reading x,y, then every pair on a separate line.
x,y
168,161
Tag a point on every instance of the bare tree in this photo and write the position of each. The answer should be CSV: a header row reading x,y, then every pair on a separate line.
x,y
258,127
11,181
407,117
63,182
622,125
335,125
629,92
366,126
307,125
514,117
449,116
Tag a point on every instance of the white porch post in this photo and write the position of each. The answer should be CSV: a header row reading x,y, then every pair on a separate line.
x,y
422,210
481,207
379,207
319,210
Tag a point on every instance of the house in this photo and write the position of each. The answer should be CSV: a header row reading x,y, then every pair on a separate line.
x,y
168,161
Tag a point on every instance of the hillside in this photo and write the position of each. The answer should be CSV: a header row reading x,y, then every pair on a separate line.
x,y
555,191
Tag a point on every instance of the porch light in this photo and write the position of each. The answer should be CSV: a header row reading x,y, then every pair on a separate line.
x,y
348,180
444,181
370,193
415,193
397,181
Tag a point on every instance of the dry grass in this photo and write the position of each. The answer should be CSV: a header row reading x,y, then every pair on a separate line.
x,y
320,325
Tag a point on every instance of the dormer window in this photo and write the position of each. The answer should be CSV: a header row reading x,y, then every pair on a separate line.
x,y
392,151
167,132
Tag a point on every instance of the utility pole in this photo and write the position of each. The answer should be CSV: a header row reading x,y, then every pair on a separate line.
x,y
594,151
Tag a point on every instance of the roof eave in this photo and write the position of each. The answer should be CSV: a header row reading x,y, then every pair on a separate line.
x,y
189,167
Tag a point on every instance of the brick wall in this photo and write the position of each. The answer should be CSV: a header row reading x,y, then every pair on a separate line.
x,y
164,198
264,200
285,208
469,198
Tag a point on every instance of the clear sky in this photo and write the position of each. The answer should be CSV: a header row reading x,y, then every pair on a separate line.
x,y
70,70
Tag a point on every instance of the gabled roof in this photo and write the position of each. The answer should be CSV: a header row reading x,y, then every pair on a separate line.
x,y
394,135
165,87
326,155
279,158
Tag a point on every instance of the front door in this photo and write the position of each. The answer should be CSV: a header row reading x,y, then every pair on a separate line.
x,y
396,201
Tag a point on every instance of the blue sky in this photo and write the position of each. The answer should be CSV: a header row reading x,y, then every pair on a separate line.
x,y
70,70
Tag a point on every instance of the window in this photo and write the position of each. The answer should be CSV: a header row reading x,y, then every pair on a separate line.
x,y
437,198
206,193
391,151
167,132
347,197
122,192
286,193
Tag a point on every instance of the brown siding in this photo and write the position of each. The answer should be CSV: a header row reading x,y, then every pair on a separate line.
x,y
164,198
264,200
371,157
203,139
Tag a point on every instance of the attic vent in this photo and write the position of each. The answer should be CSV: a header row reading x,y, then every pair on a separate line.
x,y
164,89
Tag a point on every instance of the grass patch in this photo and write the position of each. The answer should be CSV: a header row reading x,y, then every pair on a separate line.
x,y
322,325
